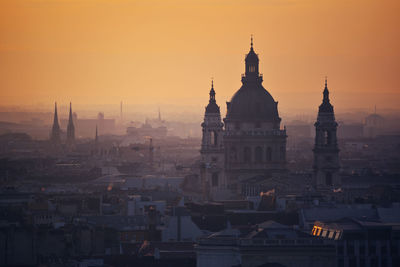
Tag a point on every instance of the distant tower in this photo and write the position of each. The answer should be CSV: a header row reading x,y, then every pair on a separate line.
x,y
159,114
151,152
55,132
326,152
70,128
96,138
120,112
212,150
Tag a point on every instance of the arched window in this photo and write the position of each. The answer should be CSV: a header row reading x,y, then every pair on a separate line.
x,y
214,179
233,154
212,138
269,154
282,153
258,154
329,138
328,178
326,137
247,155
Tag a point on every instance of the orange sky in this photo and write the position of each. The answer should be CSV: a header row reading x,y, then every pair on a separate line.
x,y
165,51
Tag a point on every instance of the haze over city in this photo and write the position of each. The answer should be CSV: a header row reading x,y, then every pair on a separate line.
x,y
165,52
199,133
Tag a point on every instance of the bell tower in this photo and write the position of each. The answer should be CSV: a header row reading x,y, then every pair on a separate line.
x,y
212,150
326,152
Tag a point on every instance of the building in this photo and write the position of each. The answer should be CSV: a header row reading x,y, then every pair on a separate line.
x,y
326,152
267,244
374,124
212,148
251,142
85,127
361,242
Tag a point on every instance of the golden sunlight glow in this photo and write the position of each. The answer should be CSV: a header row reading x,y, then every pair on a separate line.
x,y
165,51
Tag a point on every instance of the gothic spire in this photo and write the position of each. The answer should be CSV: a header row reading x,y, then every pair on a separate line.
x,y
70,127
55,133
55,122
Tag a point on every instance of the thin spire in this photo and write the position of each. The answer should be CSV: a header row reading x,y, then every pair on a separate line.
x,y
97,136
212,82
251,43
326,91
55,132
326,82
70,111
55,114
70,127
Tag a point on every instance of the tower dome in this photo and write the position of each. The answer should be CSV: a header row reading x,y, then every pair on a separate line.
x,y
212,106
252,102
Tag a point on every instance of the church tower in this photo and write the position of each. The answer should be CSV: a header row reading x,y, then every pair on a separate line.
x,y
55,131
254,143
326,151
212,151
70,128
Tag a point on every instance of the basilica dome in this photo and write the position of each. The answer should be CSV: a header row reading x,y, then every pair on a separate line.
x,y
253,103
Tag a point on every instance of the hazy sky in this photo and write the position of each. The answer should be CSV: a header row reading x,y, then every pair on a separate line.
x,y
166,51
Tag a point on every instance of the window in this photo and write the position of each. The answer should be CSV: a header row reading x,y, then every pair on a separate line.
x,y
328,178
282,153
213,138
269,154
258,154
325,137
214,179
247,155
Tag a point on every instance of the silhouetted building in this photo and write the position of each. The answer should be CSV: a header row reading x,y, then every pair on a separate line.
x,y
212,149
55,131
326,151
253,143
266,244
361,242
70,128
373,125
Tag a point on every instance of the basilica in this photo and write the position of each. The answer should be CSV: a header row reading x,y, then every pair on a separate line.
x,y
244,153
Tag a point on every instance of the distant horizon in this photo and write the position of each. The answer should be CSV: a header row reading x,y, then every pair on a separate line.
x,y
95,52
